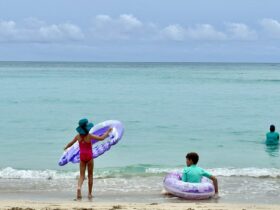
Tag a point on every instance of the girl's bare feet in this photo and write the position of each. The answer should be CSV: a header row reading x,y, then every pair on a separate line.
x,y
79,194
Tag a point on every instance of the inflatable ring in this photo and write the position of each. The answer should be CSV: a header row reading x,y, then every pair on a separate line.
x,y
193,191
72,154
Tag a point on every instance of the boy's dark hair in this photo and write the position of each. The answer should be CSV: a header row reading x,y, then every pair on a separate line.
x,y
193,156
272,128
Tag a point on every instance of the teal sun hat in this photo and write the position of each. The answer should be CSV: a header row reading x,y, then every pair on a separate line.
x,y
84,126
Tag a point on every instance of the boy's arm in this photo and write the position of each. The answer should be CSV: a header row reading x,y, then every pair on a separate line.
x,y
71,143
213,178
184,176
104,136
215,182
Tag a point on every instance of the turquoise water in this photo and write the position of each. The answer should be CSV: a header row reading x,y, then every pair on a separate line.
x,y
220,110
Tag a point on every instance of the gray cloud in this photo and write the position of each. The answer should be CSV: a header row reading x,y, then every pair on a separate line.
x,y
271,27
127,27
7,30
199,32
174,32
240,31
60,32
33,30
205,32
124,27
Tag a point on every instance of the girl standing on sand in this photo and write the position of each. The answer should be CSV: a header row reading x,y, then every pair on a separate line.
x,y
86,160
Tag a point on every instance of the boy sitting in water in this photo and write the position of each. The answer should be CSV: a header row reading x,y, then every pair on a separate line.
x,y
272,137
194,174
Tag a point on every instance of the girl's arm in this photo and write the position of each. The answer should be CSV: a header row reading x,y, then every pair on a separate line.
x,y
71,143
104,136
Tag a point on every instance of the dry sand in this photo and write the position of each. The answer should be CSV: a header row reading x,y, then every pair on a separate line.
x,y
82,205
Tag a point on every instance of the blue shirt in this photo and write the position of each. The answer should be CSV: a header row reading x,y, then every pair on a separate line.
x,y
194,174
272,138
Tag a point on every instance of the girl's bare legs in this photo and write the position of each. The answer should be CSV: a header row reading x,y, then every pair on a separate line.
x,y
81,179
90,166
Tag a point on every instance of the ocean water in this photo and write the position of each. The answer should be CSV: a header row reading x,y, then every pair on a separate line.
x,y
219,110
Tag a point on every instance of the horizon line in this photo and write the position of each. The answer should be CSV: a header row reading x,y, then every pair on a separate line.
x,y
67,61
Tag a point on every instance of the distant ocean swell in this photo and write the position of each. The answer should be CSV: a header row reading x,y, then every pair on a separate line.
x,y
131,171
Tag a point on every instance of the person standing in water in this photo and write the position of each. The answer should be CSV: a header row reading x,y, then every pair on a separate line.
x,y
272,137
86,156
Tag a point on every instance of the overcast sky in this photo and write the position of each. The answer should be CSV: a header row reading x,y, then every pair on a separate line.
x,y
140,30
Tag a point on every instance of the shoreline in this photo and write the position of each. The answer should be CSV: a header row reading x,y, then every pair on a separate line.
x,y
90,205
135,189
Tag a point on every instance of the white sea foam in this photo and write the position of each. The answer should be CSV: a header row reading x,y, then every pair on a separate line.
x,y
249,172
11,173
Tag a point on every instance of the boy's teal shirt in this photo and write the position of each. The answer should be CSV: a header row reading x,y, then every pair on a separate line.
x,y
194,174
272,138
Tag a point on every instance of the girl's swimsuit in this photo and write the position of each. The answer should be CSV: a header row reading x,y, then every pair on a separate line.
x,y
85,151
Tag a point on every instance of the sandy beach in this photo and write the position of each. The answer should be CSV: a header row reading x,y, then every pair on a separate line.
x,y
83,205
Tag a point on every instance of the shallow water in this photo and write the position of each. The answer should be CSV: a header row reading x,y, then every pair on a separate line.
x,y
222,111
